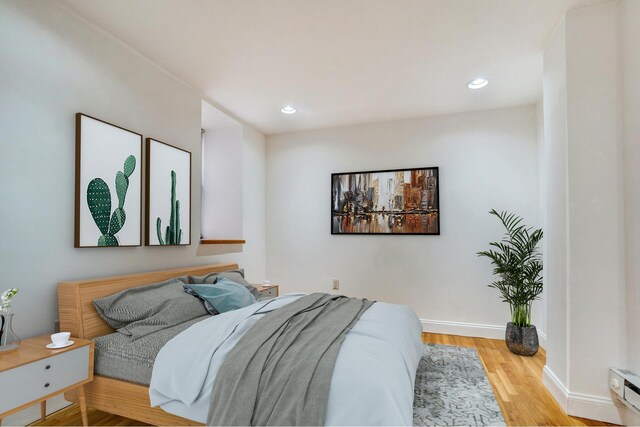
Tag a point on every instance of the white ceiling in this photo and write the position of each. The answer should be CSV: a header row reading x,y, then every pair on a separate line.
x,y
341,62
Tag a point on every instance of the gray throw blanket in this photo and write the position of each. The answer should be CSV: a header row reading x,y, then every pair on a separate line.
x,y
280,371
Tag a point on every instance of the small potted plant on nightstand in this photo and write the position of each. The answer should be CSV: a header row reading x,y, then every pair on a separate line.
x,y
518,263
8,339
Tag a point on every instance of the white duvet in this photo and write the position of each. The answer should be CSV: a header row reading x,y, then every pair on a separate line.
x,y
372,383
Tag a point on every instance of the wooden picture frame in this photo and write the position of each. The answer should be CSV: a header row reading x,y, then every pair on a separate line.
x,y
398,202
166,191
107,169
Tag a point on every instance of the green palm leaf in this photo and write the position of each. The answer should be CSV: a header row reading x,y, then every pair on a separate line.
x,y
518,263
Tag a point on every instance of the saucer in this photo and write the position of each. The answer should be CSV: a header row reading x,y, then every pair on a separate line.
x,y
53,346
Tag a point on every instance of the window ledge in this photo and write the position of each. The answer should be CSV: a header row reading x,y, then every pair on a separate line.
x,y
222,242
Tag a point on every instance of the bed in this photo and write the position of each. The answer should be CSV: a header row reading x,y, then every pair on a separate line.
x,y
129,395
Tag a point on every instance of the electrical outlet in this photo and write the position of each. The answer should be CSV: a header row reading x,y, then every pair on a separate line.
x,y
336,284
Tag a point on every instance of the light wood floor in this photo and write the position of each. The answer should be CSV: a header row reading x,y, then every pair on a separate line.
x,y
516,382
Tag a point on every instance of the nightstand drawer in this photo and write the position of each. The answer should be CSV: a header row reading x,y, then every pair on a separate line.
x,y
30,382
269,293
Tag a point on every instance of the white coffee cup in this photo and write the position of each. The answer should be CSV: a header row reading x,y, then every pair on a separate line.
x,y
61,338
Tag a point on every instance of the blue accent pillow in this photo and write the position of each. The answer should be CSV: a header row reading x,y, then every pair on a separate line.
x,y
225,295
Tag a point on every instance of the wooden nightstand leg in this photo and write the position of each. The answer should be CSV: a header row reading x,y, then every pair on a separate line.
x,y
83,406
43,410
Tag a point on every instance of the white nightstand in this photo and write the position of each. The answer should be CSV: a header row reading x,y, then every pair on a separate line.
x,y
33,374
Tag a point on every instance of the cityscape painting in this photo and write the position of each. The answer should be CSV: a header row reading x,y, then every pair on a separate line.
x,y
403,201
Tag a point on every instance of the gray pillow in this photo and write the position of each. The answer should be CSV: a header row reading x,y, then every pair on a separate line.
x,y
140,311
233,275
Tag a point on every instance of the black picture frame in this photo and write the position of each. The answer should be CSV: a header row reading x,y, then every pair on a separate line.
x,y
430,172
80,198
150,192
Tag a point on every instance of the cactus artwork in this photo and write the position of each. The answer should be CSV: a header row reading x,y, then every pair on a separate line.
x,y
99,201
173,233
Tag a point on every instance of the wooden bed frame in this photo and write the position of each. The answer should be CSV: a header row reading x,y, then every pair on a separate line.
x,y
78,316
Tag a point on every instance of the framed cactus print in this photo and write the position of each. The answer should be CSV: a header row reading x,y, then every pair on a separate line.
x,y
108,201
168,195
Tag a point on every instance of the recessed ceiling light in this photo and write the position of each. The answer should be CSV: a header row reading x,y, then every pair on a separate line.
x,y
288,109
477,83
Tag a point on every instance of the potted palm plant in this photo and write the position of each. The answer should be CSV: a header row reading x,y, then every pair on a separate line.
x,y
518,263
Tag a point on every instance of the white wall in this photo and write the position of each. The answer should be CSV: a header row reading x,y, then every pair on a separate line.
x,y
253,257
486,159
594,170
630,16
52,66
540,312
588,213
222,179
555,219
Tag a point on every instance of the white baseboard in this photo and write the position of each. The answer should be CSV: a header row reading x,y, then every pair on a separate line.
x,y
556,387
463,329
595,408
478,330
599,408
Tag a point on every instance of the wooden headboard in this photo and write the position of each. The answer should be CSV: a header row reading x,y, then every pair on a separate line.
x,y
75,299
